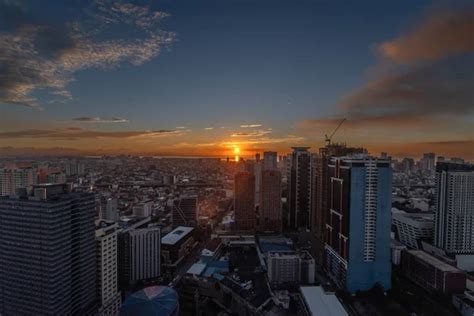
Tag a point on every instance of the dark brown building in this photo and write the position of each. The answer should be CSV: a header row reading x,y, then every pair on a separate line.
x,y
270,201
244,201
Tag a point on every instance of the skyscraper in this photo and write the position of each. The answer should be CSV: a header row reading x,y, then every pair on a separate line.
x,y
244,201
357,252
270,205
320,192
48,252
299,187
270,160
454,217
185,211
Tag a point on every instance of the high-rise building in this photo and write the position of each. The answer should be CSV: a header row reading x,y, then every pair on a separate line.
x,y
74,167
244,201
257,171
48,252
412,228
299,187
108,294
454,220
428,162
357,254
320,192
139,255
270,201
270,160
111,210
14,177
185,211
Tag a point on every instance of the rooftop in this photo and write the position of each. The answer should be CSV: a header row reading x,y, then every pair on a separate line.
x,y
320,303
176,235
443,266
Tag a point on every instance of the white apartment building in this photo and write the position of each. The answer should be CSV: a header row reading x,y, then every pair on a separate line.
x,y
412,227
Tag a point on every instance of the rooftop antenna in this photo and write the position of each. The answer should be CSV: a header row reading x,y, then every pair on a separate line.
x,y
328,139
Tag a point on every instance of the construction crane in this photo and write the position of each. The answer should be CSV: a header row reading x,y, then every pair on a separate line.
x,y
328,139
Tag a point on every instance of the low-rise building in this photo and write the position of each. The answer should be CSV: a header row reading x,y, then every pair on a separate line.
x,y
176,245
321,303
413,227
431,273
290,267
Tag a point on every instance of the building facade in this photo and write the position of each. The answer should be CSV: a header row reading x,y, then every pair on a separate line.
x,y
290,267
12,178
411,228
139,255
357,251
270,207
48,252
299,188
108,294
454,220
185,211
244,201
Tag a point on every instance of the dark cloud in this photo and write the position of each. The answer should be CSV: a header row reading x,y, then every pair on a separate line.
x,y
36,55
74,133
89,119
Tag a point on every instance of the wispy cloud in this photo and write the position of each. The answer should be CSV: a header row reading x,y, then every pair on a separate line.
x,y
208,128
251,126
180,127
251,134
95,119
74,133
37,55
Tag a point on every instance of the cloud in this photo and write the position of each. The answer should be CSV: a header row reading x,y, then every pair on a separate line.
x,y
38,55
180,127
441,35
251,126
427,78
208,128
74,133
88,119
251,134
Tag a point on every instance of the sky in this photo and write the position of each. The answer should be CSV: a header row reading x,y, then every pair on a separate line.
x,y
201,78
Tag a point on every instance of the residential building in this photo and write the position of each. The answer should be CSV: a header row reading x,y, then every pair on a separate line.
x,y
431,273
15,177
299,188
454,220
139,255
290,267
411,228
270,210
270,160
357,251
244,201
108,294
48,252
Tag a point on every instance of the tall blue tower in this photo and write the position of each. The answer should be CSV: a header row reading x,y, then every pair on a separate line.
x,y
357,250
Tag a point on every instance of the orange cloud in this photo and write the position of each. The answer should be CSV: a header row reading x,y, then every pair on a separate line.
x,y
441,35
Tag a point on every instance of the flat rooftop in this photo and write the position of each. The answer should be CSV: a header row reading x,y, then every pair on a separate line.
x,y
176,235
437,263
320,303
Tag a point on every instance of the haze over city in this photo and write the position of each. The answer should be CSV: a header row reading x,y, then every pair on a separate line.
x,y
201,78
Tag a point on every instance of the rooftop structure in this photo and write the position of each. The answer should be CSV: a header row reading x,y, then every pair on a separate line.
x,y
153,300
176,235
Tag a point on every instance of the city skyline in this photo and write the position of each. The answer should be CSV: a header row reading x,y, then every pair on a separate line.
x,y
202,79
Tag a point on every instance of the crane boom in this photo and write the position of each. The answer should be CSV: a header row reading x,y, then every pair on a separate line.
x,y
328,139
